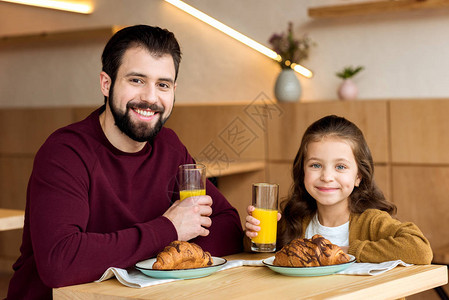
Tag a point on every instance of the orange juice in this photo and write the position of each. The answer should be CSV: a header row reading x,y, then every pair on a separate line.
x,y
189,193
268,225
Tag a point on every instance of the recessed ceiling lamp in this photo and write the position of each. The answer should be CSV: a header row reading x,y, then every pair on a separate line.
x,y
237,35
82,7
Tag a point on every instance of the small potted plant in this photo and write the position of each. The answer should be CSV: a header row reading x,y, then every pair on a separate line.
x,y
348,90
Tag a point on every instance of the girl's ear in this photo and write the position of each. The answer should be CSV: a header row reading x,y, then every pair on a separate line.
x,y
358,180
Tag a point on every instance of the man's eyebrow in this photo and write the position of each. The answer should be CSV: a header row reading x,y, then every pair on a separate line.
x,y
169,80
136,74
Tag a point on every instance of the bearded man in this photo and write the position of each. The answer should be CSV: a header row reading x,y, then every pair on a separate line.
x,y
103,191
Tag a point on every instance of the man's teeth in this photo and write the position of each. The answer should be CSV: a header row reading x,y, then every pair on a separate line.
x,y
145,113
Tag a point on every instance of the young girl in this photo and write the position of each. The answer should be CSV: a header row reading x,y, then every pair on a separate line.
x,y
334,194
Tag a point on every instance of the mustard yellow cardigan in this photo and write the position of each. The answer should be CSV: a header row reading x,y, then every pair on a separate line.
x,y
374,236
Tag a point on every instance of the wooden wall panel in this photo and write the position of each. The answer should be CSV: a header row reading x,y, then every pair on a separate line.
x,y
14,174
238,189
382,178
280,173
285,133
10,242
80,113
421,194
226,131
24,130
420,131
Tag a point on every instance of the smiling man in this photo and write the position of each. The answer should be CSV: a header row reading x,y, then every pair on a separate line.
x,y
140,102
103,191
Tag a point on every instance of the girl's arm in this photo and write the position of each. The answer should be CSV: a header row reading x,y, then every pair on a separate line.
x,y
374,236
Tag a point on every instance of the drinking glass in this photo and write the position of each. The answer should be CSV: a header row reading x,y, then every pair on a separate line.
x,y
192,180
265,201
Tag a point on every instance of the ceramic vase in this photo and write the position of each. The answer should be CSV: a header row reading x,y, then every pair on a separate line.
x,y
287,87
347,90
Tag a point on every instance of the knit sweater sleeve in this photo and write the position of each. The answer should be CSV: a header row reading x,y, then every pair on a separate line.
x,y
374,236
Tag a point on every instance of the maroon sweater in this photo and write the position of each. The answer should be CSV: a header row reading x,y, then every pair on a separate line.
x,y
91,206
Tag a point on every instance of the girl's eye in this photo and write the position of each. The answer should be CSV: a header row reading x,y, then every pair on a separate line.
x,y
315,165
341,167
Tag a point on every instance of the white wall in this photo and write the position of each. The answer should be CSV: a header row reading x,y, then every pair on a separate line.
x,y
404,53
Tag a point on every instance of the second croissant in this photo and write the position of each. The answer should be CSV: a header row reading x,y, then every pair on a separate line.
x,y
313,252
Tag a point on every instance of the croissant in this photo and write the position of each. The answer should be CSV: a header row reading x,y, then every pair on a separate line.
x,y
313,252
182,255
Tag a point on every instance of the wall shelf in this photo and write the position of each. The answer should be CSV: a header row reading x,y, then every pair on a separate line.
x,y
375,7
234,168
11,219
57,35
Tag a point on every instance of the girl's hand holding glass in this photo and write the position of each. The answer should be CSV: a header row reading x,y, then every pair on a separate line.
x,y
252,224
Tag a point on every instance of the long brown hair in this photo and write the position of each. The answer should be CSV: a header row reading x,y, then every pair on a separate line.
x,y
300,205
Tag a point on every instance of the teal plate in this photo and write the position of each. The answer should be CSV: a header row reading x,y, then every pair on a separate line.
x,y
146,267
308,271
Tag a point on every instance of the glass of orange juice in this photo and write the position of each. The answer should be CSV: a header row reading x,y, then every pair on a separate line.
x,y
192,180
265,201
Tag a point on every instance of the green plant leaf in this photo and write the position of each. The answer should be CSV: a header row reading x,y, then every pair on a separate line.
x,y
349,72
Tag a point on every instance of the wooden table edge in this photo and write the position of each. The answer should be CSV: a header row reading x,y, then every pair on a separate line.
x,y
427,278
419,281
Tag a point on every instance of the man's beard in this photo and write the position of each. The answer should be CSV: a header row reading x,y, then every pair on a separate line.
x,y
139,132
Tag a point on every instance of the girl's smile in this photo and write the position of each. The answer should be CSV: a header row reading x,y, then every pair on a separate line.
x,y
326,189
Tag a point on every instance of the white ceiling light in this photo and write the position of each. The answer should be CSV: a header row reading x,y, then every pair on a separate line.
x,y
82,7
237,35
